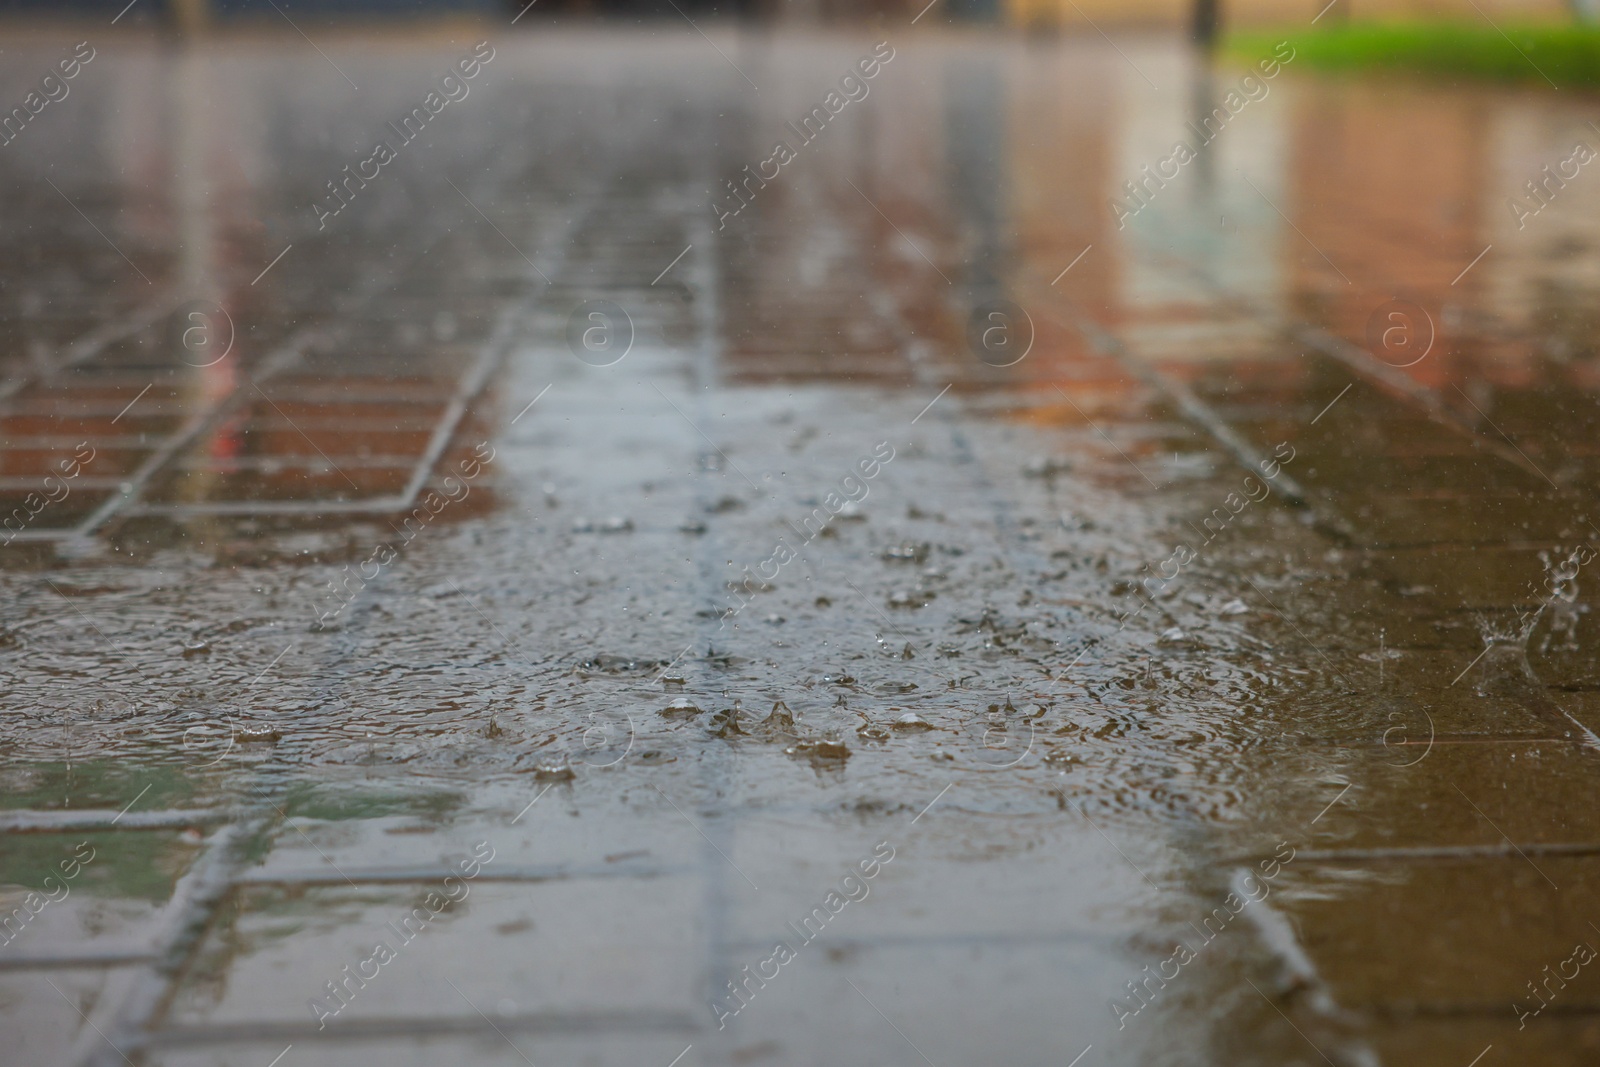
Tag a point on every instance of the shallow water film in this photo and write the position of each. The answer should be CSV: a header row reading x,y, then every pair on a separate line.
x,y
685,542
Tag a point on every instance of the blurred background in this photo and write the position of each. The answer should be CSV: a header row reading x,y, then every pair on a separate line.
x,y
1035,14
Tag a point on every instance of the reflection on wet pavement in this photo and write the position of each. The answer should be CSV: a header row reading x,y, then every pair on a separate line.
x,y
508,619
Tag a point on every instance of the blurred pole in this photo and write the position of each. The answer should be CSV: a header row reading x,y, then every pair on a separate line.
x,y
1202,98
191,17
1207,20
190,97
975,158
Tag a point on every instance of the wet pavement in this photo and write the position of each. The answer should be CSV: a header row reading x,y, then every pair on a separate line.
x,y
538,604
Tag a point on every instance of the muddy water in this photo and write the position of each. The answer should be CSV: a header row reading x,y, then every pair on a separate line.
x,y
1209,683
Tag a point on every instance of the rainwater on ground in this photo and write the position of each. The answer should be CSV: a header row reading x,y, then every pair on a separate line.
x,y
569,598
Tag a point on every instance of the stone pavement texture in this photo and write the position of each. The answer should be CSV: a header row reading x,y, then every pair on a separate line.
x,y
538,613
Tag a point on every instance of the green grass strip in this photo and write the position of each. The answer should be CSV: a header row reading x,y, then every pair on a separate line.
x,y
1568,56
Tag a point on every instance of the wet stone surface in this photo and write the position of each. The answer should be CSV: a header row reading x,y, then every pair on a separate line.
x,y
534,614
